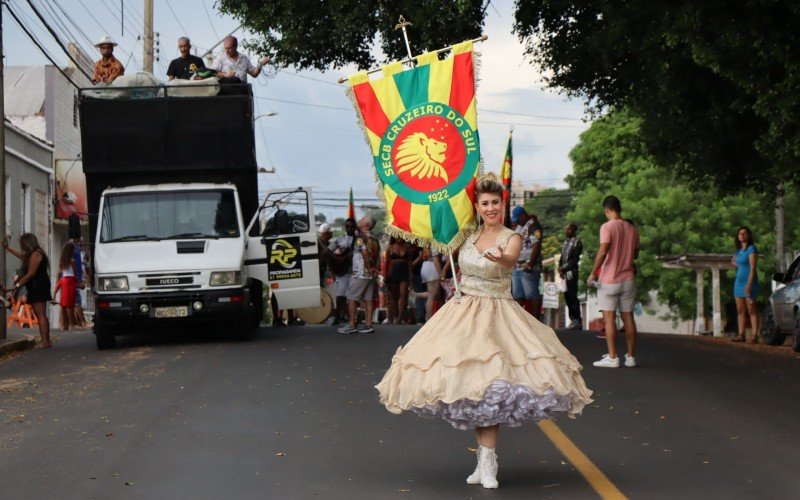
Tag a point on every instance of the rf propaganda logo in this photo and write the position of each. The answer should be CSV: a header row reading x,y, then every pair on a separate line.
x,y
285,261
428,154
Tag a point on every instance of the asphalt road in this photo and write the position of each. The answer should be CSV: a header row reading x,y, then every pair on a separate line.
x,y
292,414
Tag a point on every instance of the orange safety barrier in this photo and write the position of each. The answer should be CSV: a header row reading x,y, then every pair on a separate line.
x,y
21,314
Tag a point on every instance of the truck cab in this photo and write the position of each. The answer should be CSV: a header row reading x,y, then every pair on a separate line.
x,y
179,234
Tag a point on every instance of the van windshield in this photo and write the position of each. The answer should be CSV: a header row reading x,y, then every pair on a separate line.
x,y
169,215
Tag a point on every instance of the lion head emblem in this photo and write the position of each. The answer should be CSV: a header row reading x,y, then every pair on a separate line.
x,y
422,156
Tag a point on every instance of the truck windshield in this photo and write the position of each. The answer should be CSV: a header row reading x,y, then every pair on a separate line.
x,y
169,215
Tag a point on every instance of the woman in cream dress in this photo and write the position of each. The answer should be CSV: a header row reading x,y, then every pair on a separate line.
x,y
481,360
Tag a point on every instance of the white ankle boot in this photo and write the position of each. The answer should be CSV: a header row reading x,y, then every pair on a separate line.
x,y
488,468
475,477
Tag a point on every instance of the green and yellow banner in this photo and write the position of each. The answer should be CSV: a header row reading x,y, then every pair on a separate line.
x,y
421,125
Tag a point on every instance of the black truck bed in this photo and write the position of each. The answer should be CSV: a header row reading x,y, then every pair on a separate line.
x,y
132,141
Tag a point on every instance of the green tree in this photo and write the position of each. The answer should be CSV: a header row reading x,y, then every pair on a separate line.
x,y
672,215
551,207
551,245
714,82
333,33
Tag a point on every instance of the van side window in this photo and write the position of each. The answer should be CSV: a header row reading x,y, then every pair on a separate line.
x,y
285,213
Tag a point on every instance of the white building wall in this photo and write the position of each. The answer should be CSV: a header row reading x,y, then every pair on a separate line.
x,y
648,318
62,114
29,161
520,193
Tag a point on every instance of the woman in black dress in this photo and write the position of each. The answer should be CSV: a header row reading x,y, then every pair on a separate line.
x,y
34,276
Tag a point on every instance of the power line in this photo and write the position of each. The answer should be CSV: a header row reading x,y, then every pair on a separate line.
x,y
543,125
61,24
135,15
208,14
105,4
39,45
130,56
58,40
546,117
339,108
101,25
169,5
77,27
481,109
305,77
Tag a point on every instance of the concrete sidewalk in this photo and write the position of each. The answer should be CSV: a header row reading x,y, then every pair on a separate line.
x,y
18,339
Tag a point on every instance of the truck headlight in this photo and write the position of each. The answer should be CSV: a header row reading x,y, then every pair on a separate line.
x,y
225,278
112,284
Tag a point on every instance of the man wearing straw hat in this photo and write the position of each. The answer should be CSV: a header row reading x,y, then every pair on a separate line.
x,y
108,67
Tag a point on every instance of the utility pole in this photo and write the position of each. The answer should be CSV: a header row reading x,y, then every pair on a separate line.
x,y
780,262
147,63
2,175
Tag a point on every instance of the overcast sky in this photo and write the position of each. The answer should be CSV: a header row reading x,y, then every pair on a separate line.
x,y
314,140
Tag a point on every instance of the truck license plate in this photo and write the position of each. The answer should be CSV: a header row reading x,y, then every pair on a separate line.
x,y
171,312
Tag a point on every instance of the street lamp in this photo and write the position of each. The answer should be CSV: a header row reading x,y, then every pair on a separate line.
x,y
263,170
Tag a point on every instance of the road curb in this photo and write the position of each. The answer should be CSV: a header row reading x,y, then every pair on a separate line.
x,y
16,345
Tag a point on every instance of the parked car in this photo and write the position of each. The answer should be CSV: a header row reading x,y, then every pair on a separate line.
x,y
782,313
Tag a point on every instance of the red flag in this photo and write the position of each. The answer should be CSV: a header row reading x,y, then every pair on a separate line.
x,y
351,208
505,177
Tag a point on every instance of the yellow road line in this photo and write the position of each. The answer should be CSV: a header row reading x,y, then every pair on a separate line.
x,y
594,476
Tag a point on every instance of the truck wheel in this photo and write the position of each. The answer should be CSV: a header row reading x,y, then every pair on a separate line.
x,y
106,339
796,333
770,332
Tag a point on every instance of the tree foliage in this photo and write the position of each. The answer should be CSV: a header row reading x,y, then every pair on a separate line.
x,y
671,214
333,33
551,206
714,82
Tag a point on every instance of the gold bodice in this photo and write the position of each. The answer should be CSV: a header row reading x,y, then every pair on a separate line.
x,y
481,277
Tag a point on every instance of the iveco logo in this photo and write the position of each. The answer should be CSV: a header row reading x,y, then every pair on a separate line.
x,y
169,281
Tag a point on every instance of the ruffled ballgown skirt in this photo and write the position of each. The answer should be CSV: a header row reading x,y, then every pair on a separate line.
x,y
481,362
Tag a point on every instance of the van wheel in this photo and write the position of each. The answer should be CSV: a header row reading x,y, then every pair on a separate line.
x,y
770,332
796,333
106,339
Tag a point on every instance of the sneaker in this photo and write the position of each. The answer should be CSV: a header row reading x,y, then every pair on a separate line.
x,y
607,362
366,329
347,329
601,334
575,325
336,321
630,361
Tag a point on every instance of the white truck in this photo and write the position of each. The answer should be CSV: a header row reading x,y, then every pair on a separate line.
x,y
179,236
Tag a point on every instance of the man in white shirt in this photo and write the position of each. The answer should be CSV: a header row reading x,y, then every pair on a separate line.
x,y
341,258
231,64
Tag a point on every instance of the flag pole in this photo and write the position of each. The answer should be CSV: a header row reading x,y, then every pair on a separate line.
x,y
506,173
481,38
401,24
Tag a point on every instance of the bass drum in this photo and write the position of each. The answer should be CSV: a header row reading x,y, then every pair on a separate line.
x,y
317,315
